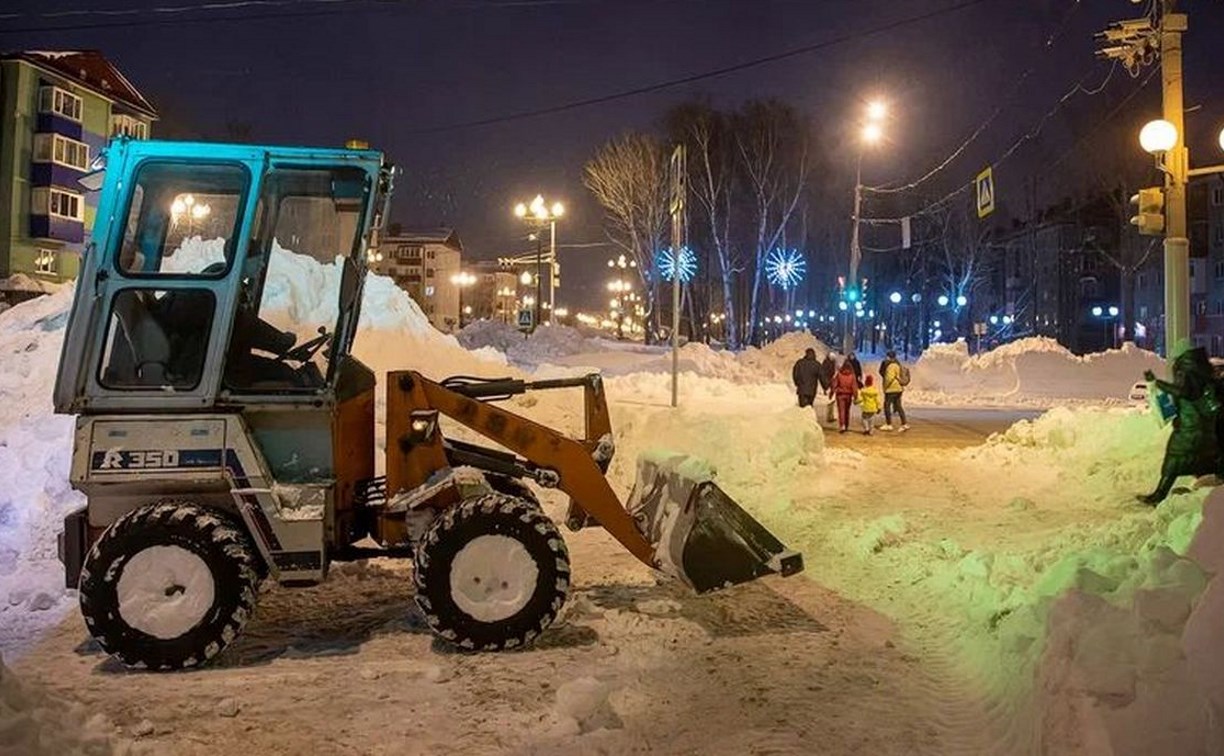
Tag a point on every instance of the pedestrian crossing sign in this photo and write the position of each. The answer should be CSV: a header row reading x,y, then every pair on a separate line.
x,y
985,193
526,319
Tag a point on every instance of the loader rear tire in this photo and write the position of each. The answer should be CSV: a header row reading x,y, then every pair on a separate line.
x,y
169,585
491,573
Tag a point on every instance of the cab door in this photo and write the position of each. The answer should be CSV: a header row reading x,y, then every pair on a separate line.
x,y
161,283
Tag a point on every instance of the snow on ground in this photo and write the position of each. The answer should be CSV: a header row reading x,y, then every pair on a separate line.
x,y
32,723
1010,597
1028,372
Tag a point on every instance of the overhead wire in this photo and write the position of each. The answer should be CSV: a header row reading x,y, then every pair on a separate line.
x,y
1031,134
1011,93
709,74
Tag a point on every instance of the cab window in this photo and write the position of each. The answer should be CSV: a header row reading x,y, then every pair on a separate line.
x,y
307,233
183,220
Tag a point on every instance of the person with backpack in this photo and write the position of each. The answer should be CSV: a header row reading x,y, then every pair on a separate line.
x,y
808,377
844,390
895,378
869,403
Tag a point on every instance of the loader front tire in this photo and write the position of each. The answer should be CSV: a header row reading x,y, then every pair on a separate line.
x,y
491,573
169,585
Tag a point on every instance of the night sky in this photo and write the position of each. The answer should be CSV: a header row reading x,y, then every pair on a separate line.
x,y
396,72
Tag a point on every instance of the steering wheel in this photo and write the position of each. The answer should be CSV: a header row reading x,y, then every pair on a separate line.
x,y
306,351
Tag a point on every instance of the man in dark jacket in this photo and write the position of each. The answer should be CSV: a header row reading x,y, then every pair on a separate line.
x,y
857,367
827,369
1193,448
808,377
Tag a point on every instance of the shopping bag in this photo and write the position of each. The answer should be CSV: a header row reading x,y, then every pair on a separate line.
x,y
1164,408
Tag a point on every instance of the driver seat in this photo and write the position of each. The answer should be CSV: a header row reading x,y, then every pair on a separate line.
x,y
147,343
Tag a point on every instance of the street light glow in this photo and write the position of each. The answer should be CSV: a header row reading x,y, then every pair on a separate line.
x,y
961,300
895,297
1113,312
876,110
525,279
558,209
872,133
520,210
1096,311
1158,136
943,300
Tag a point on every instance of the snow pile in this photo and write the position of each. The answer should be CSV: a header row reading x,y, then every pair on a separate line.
x,y
35,456
31,724
546,344
22,282
774,360
1035,371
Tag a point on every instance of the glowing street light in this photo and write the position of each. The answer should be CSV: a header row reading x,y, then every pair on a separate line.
x,y
1158,136
872,133
943,300
541,213
961,300
895,297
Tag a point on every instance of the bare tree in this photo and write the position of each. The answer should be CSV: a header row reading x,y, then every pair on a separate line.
x,y
964,264
711,180
773,142
628,176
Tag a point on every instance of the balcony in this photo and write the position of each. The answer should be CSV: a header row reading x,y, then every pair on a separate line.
x,y
57,228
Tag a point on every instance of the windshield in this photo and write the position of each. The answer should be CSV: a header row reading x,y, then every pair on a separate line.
x,y
309,222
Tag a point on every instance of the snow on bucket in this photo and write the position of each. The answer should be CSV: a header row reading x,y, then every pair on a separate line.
x,y
700,535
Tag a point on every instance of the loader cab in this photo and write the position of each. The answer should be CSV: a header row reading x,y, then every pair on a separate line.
x,y
175,308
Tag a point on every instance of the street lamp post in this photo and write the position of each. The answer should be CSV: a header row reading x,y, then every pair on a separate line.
x,y
872,133
539,213
463,280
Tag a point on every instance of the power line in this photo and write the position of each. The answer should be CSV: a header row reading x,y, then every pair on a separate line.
x,y
717,72
166,19
1011,93
1032,133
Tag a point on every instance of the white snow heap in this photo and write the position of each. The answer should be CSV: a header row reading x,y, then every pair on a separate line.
x,y
1032,370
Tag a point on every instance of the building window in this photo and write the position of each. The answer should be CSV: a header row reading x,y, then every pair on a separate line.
x,y
431,254
53,148
429,272
1217,195
1200,308
60,102
1219,234
1143,312
44,261
1141,280
57,203
126,125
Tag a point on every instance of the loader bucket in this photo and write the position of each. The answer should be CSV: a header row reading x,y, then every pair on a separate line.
x,y
700,535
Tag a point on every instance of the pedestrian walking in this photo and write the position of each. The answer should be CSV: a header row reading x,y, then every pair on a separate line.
x,y
895,378
828,370
869,403
808,376
843,391
857,367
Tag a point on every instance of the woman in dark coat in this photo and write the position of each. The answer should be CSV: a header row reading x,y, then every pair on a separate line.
x,y
1194,448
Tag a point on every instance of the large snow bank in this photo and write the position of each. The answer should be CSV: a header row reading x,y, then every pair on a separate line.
x,y
35,455
1027,371
32,724
528,351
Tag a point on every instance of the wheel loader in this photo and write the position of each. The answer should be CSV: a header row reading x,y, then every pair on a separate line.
x,y
220,442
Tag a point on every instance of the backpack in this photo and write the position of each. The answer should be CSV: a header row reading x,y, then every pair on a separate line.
x,y
903,377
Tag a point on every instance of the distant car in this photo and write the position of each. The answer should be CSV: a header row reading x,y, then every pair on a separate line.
x,y
1138,393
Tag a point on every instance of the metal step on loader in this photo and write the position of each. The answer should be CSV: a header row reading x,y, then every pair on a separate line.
x,y
219,447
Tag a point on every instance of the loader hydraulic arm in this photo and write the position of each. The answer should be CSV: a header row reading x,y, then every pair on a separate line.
x,y
578,467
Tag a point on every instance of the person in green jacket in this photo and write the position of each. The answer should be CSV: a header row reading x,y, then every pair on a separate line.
x,y
1193,447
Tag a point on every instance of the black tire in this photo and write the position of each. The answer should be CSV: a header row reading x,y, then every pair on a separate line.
x,y
492,514
217,538
512,487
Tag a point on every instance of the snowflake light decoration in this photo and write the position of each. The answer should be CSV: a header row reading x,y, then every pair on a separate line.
x,y
667,266
784,268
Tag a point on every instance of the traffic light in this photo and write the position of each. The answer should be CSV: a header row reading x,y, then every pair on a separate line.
x,y
1150,205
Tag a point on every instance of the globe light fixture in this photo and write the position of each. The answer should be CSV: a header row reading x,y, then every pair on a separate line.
x,y
872,133
943,300
1113,312
1096,311
961,300
1158,136
895,297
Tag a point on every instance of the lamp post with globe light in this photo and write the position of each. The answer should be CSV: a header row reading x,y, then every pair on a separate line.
x,y
540,213
872,133
463,280
1164,140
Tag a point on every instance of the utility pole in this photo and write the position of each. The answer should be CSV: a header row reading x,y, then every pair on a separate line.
x,y
856,253
552,268
1177,166
1132,42
679,190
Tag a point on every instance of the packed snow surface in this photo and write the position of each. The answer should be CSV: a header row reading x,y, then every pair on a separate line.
x,y
1009,597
